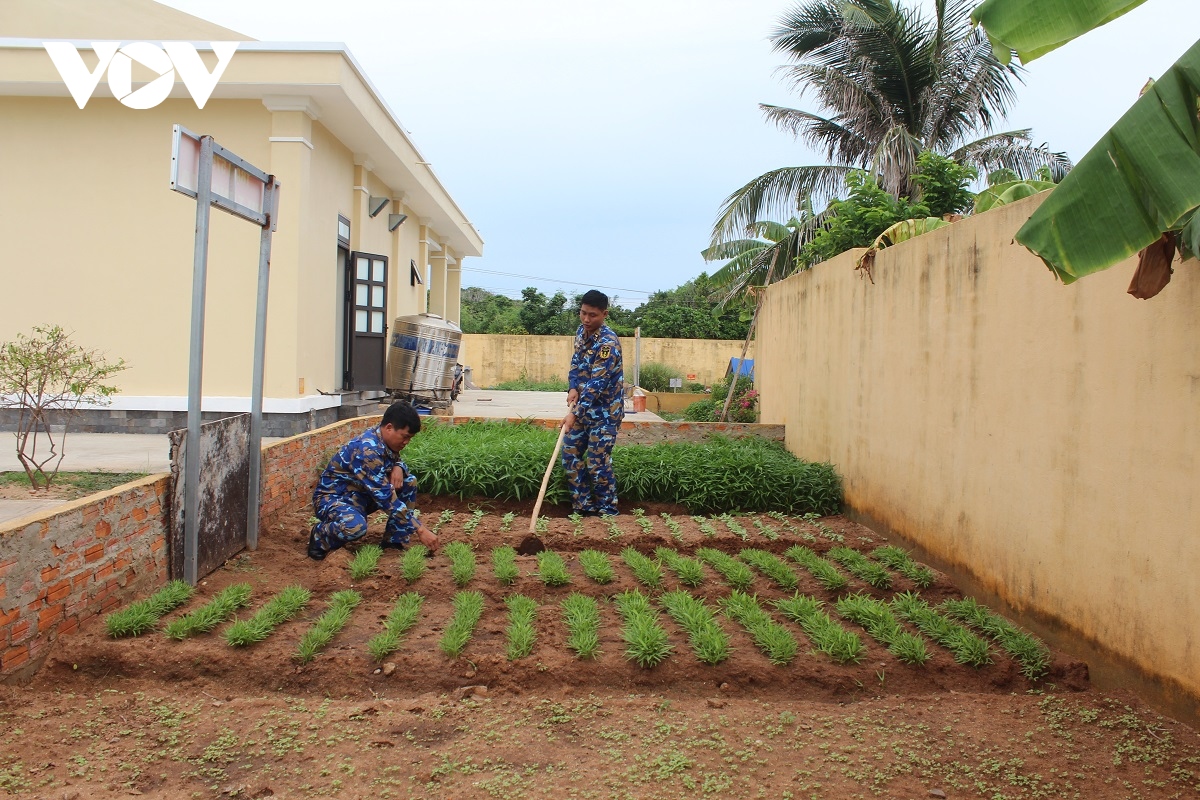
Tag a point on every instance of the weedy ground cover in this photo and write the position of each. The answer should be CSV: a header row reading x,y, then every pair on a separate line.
x,y
1029,651
708,640
402,617
770,565
826,635
462,562
207,617
775,641
596,566
521,634
736,574
278,610
552,569
476,517
689,571
413,565
826,574
862,567
468,608
896,558
735,527
504,565
787,523
581,615
315,639
877,618
966,647
141,616
646,570
365,562
647,644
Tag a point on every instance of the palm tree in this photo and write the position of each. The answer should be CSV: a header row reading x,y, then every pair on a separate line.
x,y
892,82
750,260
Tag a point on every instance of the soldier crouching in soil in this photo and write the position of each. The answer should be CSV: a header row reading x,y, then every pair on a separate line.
x,y
367,475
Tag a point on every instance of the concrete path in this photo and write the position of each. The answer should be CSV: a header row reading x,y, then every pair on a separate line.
x,y
538,405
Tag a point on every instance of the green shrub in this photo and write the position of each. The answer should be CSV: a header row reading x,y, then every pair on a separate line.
x,y
524,384
654,377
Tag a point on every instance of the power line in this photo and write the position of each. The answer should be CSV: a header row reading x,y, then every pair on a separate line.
x,y
553,280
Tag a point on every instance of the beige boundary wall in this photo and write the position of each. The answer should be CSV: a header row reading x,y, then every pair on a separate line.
x,y
495,358
1041,439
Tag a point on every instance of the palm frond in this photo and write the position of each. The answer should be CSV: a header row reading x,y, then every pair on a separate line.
x,y
777,194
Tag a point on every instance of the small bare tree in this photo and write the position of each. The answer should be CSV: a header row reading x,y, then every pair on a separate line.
x,y
43,374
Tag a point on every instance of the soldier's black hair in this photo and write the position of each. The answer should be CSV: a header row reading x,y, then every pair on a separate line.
x,y
402,415
594,299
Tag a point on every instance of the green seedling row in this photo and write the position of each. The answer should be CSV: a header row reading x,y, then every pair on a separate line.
x,y
462,562
521,634
504,565
705,526
543,524
596,566
672,525
365,562
787,523
614,530
775,641
581,615
1029,651
896,558
689,571
827,636
770,565
468,608
966,647
413,563
552,569
736,574
442,519
708,640
470,525
207,617
734,526
825,531
577,523
403,616
141,616
647,644
876,616
646,524
765,529
341,605
826,574
506,521
646,570
862,567
278,610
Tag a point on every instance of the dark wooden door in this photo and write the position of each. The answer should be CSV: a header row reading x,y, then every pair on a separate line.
x,y
366,315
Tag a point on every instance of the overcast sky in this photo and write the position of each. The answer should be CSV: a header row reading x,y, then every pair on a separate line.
x,y
593,143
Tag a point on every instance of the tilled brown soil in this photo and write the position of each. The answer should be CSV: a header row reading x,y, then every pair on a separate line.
x,y
199,718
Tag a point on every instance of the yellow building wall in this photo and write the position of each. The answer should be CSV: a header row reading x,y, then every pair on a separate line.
x,y
1043,439
496,358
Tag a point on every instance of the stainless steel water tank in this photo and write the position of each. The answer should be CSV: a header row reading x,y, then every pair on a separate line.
x,y
421,357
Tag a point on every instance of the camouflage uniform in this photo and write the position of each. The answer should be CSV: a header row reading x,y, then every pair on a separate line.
x,y
357,482
587,447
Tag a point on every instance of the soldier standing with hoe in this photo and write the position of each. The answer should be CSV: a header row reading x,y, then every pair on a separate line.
x,y
596,397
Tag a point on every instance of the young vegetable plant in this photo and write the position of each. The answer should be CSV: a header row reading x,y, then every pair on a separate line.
x,y
1029,651
522,612
736,574
783,520
689,570
468,608
470,525
412,565
462,562
765,529
775,641
442,519
341,604
966,647
877,618
826,635
365,562
278,610
672,525
581,614
207,617
734,526
552,569
829,533
770,565
543,524
642,520
402,617
596,566
141,616
577,521
705,526
895,558
826,574
506,521
646,570
504,565
708,640
646,639
614,530
862,567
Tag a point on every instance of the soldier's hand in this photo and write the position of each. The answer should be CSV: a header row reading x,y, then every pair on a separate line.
x,y
427,537
572,397
397,477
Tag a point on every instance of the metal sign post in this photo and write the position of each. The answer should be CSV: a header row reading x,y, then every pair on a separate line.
x,y
214,176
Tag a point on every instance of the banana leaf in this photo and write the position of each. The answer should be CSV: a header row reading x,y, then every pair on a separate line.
x,y
907,229
1008,192
1035,27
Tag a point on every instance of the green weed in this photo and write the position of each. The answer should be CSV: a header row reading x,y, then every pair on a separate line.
x,y
413,563
365,561
278,610
645,569
705,526
708,640
770,565
826,635
442,519
470,525
522,613
337,614
775,641
736,574
462,562
581,614
966,647
552,569
504,565
506,521
468,608
647,644
141,616
403,616
826,574
897,559
876,616
204,619
1029,651
765,529
672,525
596,566
735,527
862,567
689,571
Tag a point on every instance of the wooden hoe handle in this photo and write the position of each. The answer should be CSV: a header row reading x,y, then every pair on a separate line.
x,y
546,479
